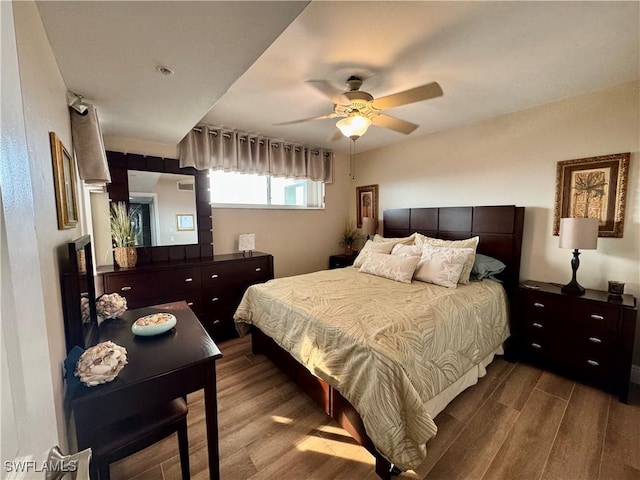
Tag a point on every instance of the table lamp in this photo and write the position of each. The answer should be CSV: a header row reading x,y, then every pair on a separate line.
x,y
368,226
577,233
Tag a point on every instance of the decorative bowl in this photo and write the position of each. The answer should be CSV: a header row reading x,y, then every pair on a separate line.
x,y
153,324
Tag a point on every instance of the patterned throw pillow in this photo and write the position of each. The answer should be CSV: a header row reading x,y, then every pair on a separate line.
x,y
407,250
442,265
410,240
393,267
466,243
369,247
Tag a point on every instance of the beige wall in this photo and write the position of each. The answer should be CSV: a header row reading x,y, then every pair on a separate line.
x,y
512,159
301,241
38,303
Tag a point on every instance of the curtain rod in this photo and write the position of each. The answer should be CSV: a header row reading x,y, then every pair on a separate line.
x,y
252,140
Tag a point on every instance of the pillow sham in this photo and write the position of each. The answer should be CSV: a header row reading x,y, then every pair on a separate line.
x,y
393,267
410,240
370,246
442,265
466,243
485,266
406,250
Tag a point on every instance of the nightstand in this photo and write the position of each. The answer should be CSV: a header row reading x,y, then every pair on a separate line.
x,y
341,261
588,337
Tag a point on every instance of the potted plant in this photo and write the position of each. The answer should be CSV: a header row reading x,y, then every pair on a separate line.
x,y
123,233
349,236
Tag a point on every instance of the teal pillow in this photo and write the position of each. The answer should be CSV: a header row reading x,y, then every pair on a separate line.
x,y
485,266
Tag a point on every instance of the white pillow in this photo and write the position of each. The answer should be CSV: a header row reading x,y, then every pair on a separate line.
x,y
410,240
393,267
442,265
466,243
407,250
369,247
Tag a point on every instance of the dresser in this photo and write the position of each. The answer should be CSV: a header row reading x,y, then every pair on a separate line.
x,y
212,287
588,337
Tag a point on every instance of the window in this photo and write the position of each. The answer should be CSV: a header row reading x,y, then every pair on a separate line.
x,y
230,189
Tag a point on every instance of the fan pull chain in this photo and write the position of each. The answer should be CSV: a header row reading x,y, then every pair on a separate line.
x,y
352,159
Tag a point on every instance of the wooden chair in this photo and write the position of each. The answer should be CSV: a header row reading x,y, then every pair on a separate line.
x,y
128,436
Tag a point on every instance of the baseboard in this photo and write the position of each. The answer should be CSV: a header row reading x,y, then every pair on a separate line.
x,y
635,374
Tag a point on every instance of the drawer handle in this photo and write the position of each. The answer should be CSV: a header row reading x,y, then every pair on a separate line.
x,y
216,322
593,363
537,325
595,340
597,317
190,304
536,345
538,305
215,275
258,269
215,299
188,279
125,289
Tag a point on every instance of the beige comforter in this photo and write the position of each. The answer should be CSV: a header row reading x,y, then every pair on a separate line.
x,y
387,347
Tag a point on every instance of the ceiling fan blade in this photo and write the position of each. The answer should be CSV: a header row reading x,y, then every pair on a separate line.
x,y
324,87
425,92
319,117
393,123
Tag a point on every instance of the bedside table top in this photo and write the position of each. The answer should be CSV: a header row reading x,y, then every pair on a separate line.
x,y
626,300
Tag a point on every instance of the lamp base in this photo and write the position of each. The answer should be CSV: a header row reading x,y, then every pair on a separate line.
x,y
573,288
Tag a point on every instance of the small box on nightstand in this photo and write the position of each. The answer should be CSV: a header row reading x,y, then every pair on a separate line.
x,y
341,261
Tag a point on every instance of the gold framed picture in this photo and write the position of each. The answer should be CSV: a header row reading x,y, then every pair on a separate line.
x,y
594,187
64,184
367,203
185,221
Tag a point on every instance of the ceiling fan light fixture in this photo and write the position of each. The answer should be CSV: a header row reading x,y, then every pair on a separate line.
x,y
354,126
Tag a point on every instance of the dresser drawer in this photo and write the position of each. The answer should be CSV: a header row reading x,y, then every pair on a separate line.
x,y
594,318
540,305
237,274
221,297
254,271
179,280
220,324
132,286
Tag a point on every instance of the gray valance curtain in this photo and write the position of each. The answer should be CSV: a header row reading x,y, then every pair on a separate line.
x,y
217,148
89,147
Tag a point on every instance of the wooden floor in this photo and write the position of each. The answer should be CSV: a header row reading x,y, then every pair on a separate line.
x,y
518,422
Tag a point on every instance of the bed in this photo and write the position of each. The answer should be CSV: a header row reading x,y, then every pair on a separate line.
x,y
383,357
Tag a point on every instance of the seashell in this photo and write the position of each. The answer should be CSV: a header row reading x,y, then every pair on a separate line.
x,y
101,363
111,305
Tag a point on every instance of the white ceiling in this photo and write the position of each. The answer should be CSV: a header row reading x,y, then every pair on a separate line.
x,y
246,63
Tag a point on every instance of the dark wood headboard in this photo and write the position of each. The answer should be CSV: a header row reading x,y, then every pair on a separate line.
x,y
499,228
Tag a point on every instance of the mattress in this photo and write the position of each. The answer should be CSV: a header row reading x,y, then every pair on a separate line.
x,y
387,347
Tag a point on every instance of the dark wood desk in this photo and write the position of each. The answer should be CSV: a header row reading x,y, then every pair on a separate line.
x,y
160,369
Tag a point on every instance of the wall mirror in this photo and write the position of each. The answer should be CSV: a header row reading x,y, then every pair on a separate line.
x,y
161,204
79,296
171,206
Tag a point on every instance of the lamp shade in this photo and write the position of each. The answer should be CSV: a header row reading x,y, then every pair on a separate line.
x,y
579,233
368,225
354,126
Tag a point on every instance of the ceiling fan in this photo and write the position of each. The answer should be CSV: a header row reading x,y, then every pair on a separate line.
x,y
359,109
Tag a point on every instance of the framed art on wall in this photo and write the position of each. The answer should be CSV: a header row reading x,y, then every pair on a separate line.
x,y
185,221
594,187
64,184
367,203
